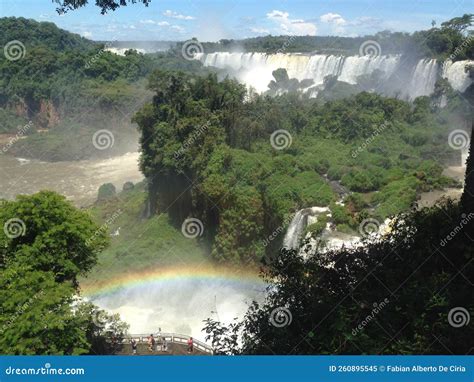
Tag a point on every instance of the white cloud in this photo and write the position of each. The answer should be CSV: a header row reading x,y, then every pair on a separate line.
x,y
260,30
176,15
86,34
333,18
336,22
152,22
291,26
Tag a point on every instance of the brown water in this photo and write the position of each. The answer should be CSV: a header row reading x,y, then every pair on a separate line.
x,y
77,180
428,199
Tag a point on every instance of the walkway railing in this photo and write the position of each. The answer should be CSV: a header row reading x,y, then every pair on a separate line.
x,y
174,338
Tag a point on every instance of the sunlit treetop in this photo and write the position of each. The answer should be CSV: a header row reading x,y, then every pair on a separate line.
x,y
105,5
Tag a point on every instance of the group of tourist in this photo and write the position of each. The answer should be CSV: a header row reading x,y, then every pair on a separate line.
x,y
163,344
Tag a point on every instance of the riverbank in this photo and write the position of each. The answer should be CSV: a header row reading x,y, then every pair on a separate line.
x,y
77,180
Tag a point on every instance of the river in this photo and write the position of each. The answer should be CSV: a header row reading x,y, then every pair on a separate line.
x,y
77,180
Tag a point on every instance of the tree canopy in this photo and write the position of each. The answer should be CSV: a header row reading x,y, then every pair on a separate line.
x,y
208,152
104,5
45,244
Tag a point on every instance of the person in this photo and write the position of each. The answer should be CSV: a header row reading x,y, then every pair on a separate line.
x,y
164,344
190,345
134,346
151,343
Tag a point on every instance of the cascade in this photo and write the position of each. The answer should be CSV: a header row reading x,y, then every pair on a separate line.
x,y
255,69
299,223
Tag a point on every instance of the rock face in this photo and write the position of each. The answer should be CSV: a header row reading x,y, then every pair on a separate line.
x,y
407,79
44,115
48,115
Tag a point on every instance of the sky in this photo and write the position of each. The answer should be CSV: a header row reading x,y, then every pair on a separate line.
x,y
212,20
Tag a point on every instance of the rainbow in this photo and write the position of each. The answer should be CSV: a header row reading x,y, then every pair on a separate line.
x,y
164,276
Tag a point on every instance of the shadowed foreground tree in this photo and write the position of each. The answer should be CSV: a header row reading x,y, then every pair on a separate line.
x,y
104,5
409,292
467,199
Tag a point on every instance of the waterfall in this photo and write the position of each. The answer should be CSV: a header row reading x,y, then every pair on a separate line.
x,y
255,69
456,74
423,79
299,223
464,155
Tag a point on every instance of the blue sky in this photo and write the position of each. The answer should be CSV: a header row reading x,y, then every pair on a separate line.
x,y
212,20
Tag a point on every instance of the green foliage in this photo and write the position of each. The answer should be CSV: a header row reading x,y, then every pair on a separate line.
x,y
447,41
203,143
56,237
64,6
403,285
143,243
340,215
73,86
317,228
10,122
128,186
106,191
45,245
36,316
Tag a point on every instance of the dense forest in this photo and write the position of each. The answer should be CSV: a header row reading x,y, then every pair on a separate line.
x,y
208,152
71,85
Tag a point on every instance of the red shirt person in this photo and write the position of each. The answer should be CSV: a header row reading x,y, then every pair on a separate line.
x,y
190,345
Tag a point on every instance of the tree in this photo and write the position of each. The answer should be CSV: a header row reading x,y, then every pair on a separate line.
x,y
106,191
459,24
46,232
467,198
105,5
41,316
104,332
389,296
45,244
36,315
